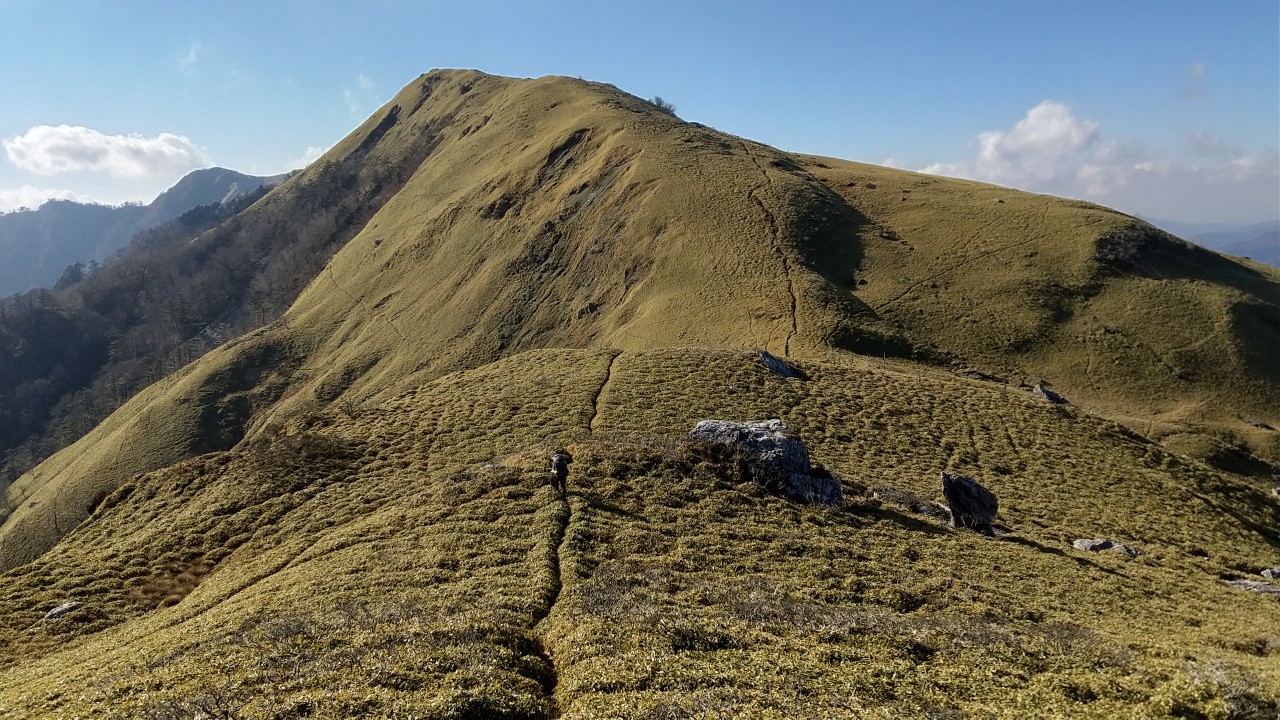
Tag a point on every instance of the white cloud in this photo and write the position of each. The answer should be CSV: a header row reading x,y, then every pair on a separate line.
x,y
1113,164
312,154
187,62
50,150
1051,150
1038,148
364,81
31,197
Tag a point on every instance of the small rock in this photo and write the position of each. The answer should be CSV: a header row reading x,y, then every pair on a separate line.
x,y
1048,395
61,610
984,376
972,506
911,502
776,366
1100,545
776,459
1272,573
1255,586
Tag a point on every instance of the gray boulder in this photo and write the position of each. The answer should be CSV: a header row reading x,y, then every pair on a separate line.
x,y
972,505
1101,545
1048,395
1255,586
776,366
61,610
1272,573
776,459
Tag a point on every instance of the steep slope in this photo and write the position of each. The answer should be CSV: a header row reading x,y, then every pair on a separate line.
x,y
176,292
410,560
560,213
555,222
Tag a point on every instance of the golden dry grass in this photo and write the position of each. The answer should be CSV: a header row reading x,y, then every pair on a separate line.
x,y
560,213
409,560
382,543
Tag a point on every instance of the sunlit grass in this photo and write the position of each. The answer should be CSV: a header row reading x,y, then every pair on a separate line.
x,y
411,560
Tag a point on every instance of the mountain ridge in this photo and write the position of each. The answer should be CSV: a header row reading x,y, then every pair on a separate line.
x,y
558,262
423,284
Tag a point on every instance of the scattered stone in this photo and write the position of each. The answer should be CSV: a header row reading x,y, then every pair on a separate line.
x,y
776,366
61,610
1255,586
776,459
911,502
1272,573
1048,395
984,376
1101,545
972,505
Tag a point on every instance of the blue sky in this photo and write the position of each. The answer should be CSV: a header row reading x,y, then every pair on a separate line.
x,y
1167,109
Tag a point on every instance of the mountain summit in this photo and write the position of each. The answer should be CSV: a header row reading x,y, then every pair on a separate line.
x,y
345,512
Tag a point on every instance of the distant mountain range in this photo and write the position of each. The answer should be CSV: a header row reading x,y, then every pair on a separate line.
x,y
36,246
1257,241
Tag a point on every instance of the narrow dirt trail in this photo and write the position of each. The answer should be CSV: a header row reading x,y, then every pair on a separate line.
x,y
562,515
550,683
595,402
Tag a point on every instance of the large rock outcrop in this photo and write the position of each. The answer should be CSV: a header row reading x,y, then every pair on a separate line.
x,y
972,505
774,457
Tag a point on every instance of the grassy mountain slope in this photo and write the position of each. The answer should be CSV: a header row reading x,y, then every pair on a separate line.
x,y
552,223
1118,315
409,559
555,261
553,213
